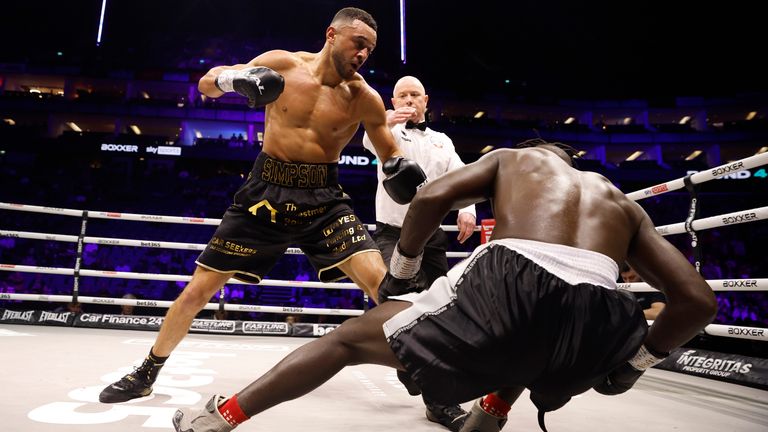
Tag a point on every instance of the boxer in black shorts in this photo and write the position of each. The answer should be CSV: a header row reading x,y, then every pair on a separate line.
x,y
535,308
283,204
314,103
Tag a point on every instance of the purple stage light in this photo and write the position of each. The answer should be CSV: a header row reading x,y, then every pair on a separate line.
x,y
101,21
402,31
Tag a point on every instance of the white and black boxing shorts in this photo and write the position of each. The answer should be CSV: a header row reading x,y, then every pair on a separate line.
x,y
518,313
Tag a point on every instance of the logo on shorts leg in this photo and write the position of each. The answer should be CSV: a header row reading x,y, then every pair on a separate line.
x,y
264,203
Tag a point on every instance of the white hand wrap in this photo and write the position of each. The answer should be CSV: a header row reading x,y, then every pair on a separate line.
x,y
404,267
644,359
224,80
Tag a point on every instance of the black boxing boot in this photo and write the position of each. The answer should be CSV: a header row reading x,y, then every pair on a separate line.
x,y
450,416
135,384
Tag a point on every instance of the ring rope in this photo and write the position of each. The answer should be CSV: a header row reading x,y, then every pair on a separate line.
x,y
145,217
168,277
739,217
734,218
167,304
143,243
701,176
715,284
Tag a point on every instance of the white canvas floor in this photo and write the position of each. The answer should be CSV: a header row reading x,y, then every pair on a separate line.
x,y
51,376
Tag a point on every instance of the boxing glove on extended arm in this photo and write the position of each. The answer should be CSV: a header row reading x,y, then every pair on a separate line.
x,y
625,376
261,85
402,269
404,178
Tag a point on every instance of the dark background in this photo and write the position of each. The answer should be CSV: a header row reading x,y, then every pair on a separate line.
x,y
546,49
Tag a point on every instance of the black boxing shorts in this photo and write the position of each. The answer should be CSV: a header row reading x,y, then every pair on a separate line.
x,y
283,204
517,313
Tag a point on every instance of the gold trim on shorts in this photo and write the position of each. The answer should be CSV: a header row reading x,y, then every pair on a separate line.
x,y
207,267
319,272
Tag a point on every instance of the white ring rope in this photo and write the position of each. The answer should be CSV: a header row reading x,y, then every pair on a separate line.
x,y
739,217
143,217
167,304
144,243
168,277
702,176
744,216
715,284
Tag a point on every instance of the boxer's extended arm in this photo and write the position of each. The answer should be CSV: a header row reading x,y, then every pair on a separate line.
x,y
374,120
453,190
691,303
277,60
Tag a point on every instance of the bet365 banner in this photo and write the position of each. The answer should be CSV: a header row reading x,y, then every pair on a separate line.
x,y
724,367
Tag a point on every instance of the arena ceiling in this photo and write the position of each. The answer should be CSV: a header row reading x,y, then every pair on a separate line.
x,y
522,48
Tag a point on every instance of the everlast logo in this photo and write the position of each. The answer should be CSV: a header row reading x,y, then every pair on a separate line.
x,y
739,218
740,283
14,315
58,317
736,166
745,331
291,174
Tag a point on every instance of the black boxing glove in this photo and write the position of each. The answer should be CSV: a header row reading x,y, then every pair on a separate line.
x,y
392,286
625,376
261,85
402,269
404,178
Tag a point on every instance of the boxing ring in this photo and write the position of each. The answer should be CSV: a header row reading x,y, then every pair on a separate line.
x,y
53,374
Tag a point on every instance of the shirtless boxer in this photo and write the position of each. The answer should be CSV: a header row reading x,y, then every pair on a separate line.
x,y
315,103
534,308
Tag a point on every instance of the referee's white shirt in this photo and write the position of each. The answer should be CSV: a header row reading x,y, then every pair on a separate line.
x,y
435,154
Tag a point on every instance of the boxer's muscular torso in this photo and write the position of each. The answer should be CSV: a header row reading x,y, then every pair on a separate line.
x,y
536,198
312,121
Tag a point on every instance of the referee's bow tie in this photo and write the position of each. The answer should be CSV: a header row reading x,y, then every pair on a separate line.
x,y
420,126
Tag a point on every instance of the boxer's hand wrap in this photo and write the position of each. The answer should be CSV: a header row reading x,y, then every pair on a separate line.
x,y
404,178
399,279
403,266
646,358
625,376
261,85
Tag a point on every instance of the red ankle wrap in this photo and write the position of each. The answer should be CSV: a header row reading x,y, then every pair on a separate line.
x,y
232,412
495,405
